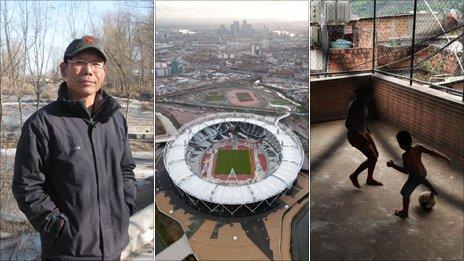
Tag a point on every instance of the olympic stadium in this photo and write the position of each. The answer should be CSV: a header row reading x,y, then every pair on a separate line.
x,y
233,164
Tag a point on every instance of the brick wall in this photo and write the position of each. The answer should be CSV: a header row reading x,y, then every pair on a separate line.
x,y
352,59
427,114
329,97
456,85
394,27
444,62
393,57
437,120
362,33
387,28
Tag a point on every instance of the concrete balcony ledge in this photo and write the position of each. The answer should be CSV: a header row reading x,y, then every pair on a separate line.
x,y
425,89
334,78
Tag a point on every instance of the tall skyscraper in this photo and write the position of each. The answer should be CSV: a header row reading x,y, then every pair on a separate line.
x,y
235,27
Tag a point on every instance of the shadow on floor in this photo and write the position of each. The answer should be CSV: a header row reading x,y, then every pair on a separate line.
x,y
317,162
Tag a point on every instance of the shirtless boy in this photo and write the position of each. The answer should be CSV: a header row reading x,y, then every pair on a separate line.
x,y
412,165
359,135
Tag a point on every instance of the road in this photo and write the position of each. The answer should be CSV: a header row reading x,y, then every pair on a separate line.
x,y
225,107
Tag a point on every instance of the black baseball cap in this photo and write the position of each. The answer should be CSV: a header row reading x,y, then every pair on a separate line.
x,y
86,42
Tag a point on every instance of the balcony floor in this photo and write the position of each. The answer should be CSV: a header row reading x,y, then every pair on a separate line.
x,y
358,224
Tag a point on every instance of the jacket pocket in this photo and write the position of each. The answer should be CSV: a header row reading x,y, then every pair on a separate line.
x,y
65,236
60,235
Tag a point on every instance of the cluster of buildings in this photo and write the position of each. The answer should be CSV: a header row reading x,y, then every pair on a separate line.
x,y
172,67
277,54
236,29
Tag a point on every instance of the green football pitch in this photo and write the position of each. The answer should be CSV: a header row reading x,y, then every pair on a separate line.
x,y
239,160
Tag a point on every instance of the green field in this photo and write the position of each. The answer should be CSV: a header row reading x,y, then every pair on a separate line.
x,y
280,101
239,160
215,98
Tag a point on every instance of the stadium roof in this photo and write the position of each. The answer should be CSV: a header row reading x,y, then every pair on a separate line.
x,y
192,184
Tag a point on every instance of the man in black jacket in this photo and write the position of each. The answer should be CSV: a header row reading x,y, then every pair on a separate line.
x,y
73,173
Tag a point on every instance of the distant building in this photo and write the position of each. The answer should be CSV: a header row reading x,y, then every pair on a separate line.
x,y
226,56
162,46
351,42
222,29
176,67
265,43
255,50
246,28
235,27
162,70
233,44
244,25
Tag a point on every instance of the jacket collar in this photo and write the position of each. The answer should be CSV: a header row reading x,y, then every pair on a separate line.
x,y
104,107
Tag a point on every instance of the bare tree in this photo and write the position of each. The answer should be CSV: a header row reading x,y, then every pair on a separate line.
x,y
128,39
145,43
118,37
71,21
19,75
2,62
10,59
41,53
76,20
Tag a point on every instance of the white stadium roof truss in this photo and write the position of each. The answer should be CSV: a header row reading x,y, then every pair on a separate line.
x,y
278,181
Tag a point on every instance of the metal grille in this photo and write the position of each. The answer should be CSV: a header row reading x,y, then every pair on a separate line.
x,y
341,38
433,43
419,40
393,36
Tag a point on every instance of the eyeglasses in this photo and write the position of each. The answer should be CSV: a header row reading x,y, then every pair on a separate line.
x,y
95,66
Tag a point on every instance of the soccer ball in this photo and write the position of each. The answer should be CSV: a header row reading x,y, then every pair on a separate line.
x,y
427,200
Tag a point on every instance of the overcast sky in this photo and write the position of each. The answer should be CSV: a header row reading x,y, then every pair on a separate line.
x,y
237,10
